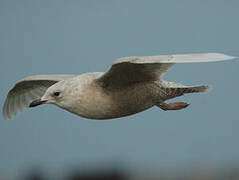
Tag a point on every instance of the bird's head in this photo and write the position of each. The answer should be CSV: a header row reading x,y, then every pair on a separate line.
x,y
59,94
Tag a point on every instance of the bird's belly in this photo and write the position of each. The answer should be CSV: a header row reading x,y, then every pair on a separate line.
x,y
115,104
102,112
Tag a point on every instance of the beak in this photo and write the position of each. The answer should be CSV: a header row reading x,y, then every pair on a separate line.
x,y
37,102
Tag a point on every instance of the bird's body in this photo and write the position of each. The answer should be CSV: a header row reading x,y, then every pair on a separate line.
x,y
132,85
94,102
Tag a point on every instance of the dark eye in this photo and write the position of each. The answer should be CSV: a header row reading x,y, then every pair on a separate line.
x,y
57,93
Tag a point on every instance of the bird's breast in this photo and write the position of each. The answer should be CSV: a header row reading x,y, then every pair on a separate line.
x,y
92,102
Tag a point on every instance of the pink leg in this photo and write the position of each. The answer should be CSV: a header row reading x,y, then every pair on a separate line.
x,y
173,106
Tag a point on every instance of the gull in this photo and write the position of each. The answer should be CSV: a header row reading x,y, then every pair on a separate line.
x,y
130,86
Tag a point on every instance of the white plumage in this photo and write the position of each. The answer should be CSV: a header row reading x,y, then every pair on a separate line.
x,y
128,75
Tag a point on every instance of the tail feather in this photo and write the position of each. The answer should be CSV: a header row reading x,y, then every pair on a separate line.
x,y
172,92
194,89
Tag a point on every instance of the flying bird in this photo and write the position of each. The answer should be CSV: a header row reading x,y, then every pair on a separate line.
x,y
131,85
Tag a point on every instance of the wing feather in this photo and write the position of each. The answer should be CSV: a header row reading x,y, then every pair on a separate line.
x,y
128,70
27,90
176,58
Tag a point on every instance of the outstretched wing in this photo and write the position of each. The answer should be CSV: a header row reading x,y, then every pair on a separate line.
x,y
128,70
27,90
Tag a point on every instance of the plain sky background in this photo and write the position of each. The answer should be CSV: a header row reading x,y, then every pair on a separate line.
x,y
73,37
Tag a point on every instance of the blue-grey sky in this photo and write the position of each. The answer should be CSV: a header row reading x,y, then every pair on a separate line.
x,y
73,37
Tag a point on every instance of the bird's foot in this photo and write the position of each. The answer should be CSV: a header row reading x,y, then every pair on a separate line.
x,y
173,106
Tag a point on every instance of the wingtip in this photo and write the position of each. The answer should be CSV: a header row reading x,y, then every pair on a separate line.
x,y
4,111
234,57
224,56
231,57
208,88
5,116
